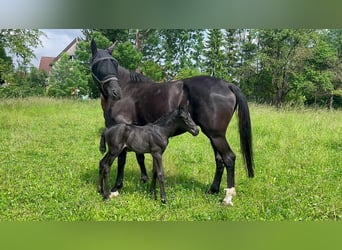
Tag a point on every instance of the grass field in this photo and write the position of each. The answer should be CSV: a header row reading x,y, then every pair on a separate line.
x,y
49,167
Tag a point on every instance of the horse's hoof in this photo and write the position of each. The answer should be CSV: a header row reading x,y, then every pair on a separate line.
x,y
212,191
227,203
114,194
230,193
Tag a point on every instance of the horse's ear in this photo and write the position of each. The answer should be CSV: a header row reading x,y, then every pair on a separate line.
x,y
93,47
112,47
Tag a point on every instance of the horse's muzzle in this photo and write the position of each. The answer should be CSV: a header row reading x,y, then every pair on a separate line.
x,y
116,94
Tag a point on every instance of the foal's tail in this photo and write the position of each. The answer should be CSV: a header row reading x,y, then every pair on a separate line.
x,y
245,129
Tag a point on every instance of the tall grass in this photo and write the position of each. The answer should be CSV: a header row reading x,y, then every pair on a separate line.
x,y
49,168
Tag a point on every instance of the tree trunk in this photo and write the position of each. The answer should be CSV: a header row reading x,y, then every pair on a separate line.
x,y
331,101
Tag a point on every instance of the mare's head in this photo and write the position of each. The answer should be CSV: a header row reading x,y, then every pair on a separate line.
x,y
104,69
185,121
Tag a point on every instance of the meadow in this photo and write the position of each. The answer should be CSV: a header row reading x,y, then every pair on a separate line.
x,y
49,168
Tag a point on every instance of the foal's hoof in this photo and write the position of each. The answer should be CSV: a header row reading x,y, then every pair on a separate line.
x,y
102,149
164,201
144,178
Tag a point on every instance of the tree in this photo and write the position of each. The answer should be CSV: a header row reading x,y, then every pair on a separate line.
x,y
67,79
127,55
245,74
231,53
215,55
278,48
323,69
20,42
178,49
152,70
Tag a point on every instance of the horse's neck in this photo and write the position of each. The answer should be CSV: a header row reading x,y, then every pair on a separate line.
x,y
124,75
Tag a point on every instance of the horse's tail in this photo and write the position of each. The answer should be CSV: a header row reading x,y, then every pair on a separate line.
x,y
245,129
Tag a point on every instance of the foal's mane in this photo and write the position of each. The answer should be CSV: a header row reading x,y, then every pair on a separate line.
x,y
164,117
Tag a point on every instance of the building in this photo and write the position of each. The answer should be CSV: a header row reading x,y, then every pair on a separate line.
x,y
46,62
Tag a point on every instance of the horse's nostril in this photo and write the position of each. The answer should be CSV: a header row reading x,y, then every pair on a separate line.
x,y
116,94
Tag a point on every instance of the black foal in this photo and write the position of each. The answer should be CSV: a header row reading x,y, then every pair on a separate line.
x,y
151,138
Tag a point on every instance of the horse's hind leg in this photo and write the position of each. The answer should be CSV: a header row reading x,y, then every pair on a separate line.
x,y
225,157
215,186
141,162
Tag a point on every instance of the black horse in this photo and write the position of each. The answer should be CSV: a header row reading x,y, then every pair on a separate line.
x,y
131,98
151,138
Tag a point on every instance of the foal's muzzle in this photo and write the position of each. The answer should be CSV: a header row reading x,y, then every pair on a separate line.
x,y
194,131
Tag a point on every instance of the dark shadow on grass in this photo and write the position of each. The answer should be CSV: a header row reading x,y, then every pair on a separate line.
x,y
132,182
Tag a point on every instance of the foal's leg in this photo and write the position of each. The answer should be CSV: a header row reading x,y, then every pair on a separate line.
x,y
120,173
141,162
105,165
225,157
103,142
153,183
159,173
100,181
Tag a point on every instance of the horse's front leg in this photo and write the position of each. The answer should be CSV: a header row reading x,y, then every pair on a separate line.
x,y
141,162
120,173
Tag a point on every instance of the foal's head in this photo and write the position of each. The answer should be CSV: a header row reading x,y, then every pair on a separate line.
x,y
184,120
104,69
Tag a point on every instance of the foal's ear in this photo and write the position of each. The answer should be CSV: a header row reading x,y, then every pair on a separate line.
x,y
184,107
93,47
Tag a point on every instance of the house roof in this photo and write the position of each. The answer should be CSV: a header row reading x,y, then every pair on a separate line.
x,y
68,49
45,63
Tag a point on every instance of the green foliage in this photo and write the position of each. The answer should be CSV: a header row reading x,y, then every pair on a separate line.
x,y
275,66
49,168
187,72
214,53
67,79
20,42
20,84
127,55
152,70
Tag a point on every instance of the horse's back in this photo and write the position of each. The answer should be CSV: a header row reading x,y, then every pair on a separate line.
x,y
155,99
212,102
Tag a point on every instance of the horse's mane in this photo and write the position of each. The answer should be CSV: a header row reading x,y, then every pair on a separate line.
x,y
138,77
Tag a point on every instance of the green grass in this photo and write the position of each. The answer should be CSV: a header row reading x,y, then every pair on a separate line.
x,y
49,168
